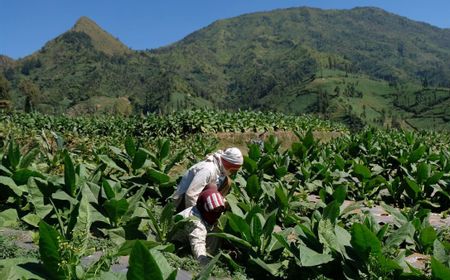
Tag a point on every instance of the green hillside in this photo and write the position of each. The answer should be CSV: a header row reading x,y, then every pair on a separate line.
x,y
363,65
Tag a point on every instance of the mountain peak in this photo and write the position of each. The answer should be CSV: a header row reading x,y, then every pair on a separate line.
x,y
102,40
84,23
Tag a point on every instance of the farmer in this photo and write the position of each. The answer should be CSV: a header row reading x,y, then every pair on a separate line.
x,y
215,167
202,218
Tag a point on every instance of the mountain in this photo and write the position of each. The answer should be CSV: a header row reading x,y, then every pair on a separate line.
x,y
6,62
84,70
100,39
363,65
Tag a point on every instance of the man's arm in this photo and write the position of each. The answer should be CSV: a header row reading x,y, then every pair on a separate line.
x,y
200,180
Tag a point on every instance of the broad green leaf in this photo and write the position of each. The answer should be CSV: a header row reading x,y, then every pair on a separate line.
x,y
404,234
49,249
151,265
167,213
266,163
233,202
340,162
20,268
284,242
280,172
270,224
327,236
165,149
206,271
364,241
13,155
117,235
139,159
272,268
175,159
388,265
439,271
116,209
21,176
158,176
412,189
82,172
96,216
254,152
232,238
308,140
83,221
6,181
439,252
250,165
362,171
110,163
256,229
298,149
32,219
428,235
331,211
253,185
5,171
435,178
9,218
239,225
423,172
416,154
340,194
401,219
116,151
130,147
310,257
108,189
26,160
69,175
133,203
382,232
36,198
61,195
127,246
281,196
343,237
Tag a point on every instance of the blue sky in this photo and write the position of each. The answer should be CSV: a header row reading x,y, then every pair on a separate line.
x,y
26,25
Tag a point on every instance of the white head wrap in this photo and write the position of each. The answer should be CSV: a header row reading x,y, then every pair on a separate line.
x,y
233,156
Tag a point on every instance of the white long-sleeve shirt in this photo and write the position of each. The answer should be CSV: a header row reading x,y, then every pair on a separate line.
x,y
195,231
195,179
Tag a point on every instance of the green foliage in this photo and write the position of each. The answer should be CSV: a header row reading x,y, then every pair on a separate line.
x,y
31,92
145,264
288,208
329,62
4,88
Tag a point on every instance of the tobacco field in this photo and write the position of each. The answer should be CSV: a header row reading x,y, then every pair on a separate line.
x,y
99,186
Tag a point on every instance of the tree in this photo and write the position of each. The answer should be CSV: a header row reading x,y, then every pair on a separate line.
x,y
5,98
425,82
31,93
123,107
4,88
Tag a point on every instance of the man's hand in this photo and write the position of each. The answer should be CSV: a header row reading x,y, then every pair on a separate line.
x,y
224,189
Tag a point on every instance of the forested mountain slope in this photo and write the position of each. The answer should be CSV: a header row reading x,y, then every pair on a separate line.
x,y
363,65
